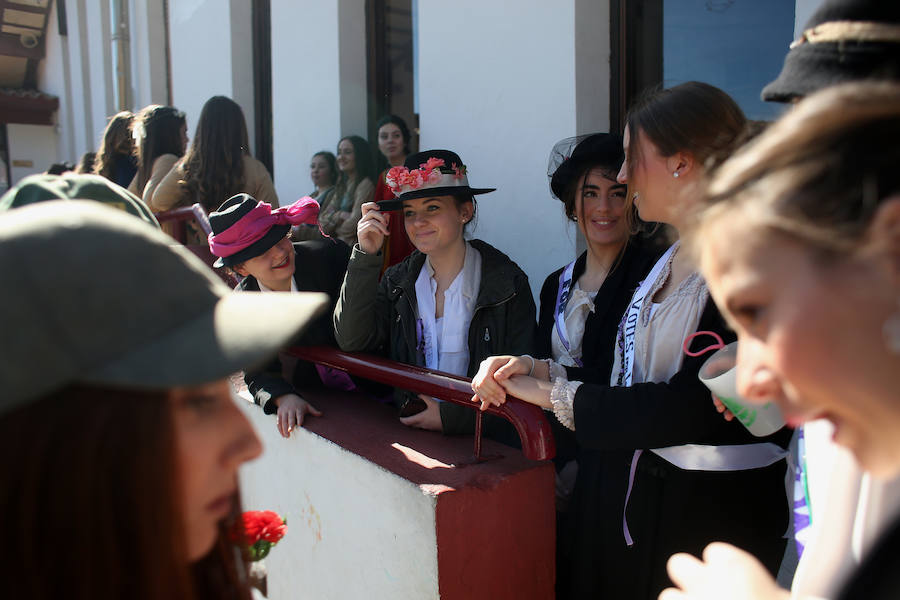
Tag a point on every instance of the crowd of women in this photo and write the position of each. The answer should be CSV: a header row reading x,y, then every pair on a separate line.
x,y
148,153
128,444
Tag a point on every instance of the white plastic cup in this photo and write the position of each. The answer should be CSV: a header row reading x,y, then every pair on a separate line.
x,y
719,374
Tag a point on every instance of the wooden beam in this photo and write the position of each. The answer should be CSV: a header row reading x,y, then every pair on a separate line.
x,y
11,46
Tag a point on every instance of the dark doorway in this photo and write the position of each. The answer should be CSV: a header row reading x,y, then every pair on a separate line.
x,y
636,37
262,82
389,40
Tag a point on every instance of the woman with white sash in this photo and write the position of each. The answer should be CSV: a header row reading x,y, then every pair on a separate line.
x,y
693,477
581,305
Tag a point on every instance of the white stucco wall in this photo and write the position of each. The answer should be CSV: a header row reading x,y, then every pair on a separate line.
x,y
35,143
54,77
211,47
318,84
336,541
501,94
148,53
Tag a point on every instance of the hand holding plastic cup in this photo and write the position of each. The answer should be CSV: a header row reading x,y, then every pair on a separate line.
x,y
719,374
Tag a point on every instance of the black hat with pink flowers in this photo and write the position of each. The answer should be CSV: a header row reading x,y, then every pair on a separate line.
x,y
428,174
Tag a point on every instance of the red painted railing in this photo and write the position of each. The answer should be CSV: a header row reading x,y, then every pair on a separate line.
x,y
178,218
528,419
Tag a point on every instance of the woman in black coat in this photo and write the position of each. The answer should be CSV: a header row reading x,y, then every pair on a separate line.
x,y
581,305
254,241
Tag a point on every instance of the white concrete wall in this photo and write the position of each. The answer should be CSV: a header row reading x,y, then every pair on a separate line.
x,y
335,543
54,77
501,94
148,53
212,54
318,84
35,143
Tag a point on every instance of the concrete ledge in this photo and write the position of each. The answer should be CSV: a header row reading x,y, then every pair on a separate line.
x,y
379,510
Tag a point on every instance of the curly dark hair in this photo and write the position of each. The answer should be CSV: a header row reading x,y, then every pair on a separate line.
x,y
117,141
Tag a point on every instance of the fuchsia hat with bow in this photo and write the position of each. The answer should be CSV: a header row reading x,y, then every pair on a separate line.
x,y
243,228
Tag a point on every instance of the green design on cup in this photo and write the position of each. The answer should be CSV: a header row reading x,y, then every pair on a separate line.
x,y
745,415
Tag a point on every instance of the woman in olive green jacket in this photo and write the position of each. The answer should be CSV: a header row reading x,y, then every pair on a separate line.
x,y
447,306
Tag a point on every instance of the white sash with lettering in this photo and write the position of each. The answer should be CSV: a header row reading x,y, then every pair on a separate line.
x,y
629,324
692,457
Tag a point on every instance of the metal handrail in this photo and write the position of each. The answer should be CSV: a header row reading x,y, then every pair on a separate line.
x,y
179,217
529,420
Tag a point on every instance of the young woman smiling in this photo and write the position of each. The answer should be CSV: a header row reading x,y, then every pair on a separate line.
x,y
581,306
448,305
254,241
692,477
393,144
800,243
354,188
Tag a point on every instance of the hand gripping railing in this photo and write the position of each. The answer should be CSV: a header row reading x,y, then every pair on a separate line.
x,y
529,420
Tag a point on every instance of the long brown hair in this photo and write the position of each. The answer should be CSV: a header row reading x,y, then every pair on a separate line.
x,y
90,502
116,141
214,164
157,131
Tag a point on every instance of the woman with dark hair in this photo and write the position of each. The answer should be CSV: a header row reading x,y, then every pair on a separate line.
x,y
123,440
354,188
218,164
581,305
115,158
691,477
252,240
799,239
393,147
448,305
324,174
160,137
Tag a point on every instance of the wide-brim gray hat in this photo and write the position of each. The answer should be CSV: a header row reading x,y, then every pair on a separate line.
x,y
94,296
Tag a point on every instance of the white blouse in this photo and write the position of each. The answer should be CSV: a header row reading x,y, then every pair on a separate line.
x,y
580,305
662,328
446,340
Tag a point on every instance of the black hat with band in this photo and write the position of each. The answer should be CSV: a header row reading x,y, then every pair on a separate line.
x,y
845,40
571,155
428,174
229,215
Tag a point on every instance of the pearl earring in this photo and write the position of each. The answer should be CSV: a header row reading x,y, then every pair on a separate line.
x,y
675,174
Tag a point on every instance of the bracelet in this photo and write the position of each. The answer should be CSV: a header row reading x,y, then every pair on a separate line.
x,y
531,371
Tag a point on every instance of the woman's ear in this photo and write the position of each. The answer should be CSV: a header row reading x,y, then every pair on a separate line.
x,y
240,270
883,236
466,210
681,163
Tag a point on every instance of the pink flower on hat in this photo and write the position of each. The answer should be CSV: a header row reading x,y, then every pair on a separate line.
x,y
432,163
395,177
414,179
459,171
